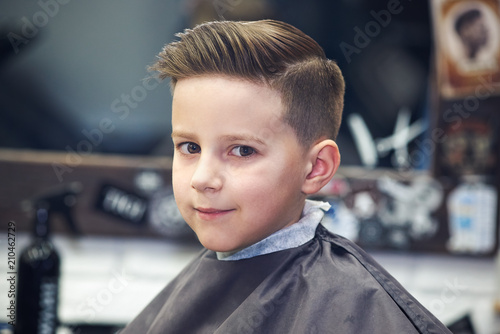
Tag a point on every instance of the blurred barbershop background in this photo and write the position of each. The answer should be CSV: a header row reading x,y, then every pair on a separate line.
x,y
85,150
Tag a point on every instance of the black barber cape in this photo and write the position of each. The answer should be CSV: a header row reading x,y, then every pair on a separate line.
x,y
328,285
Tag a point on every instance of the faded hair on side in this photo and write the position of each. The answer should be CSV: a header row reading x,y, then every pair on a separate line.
x,y
268,52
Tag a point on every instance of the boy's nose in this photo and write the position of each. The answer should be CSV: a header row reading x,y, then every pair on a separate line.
x,y
208,175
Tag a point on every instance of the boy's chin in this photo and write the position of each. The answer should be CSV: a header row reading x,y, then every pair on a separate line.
x,y
220,247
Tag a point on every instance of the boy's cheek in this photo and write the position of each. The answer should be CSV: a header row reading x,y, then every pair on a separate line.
x,y
180,183
178,171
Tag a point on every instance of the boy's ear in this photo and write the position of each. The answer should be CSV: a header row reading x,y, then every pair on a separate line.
x,y
324,159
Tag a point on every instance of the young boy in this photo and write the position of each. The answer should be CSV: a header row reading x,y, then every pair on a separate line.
x,y
256,109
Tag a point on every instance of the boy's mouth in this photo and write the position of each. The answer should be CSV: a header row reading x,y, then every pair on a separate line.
x,y
211,213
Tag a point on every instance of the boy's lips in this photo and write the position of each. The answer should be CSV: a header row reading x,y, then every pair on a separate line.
x,y
211,213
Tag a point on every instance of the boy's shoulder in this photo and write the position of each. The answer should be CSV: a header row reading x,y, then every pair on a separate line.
x,y
328,284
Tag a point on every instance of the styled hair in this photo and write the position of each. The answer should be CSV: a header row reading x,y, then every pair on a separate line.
x,y
269,52
466,18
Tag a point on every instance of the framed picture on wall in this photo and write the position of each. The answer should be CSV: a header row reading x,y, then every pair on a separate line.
x,y
467,34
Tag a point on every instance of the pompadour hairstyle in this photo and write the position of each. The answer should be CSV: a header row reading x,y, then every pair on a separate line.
x,y
269,52
466,18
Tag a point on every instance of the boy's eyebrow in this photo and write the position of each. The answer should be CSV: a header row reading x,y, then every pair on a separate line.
x,y
182,134
242,137
230,138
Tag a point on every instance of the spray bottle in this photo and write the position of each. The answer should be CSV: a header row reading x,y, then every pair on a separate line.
x,y
39,265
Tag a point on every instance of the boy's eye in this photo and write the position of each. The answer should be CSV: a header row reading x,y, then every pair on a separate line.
x,y
189,148
243,151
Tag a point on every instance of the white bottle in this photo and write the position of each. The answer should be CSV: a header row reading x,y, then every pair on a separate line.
x,y
472,213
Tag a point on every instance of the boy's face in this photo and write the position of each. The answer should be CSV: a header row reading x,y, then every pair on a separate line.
x,y
238,169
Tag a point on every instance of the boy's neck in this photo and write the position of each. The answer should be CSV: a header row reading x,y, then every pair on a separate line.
x,y
292,236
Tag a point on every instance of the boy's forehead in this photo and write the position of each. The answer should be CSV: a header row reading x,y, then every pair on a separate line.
x,y
225,107
231,92
217,82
